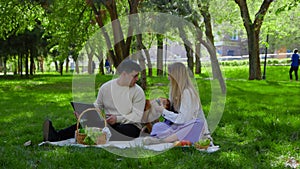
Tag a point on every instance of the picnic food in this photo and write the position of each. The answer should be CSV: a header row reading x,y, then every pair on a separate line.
x,y
90,135
202,143
182,143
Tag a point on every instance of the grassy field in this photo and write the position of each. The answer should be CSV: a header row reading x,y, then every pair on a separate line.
x,y
259,128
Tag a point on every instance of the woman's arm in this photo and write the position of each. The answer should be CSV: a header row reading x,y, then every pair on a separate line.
x,y
188,106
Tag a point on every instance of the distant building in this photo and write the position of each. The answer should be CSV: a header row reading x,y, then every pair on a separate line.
x,y
231,45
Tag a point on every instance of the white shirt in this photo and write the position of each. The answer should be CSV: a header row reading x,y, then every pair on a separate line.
x,y
189,109
127,103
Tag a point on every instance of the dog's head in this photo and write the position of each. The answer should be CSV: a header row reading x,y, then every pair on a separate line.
x,y
165,102
150,113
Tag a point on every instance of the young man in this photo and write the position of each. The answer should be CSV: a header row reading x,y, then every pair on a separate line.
x,y
294,65
121,99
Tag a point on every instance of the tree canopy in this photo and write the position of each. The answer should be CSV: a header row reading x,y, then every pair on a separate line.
x,y
61,28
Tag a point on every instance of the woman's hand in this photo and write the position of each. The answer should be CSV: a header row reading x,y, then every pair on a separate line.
x,y
159,109
157,106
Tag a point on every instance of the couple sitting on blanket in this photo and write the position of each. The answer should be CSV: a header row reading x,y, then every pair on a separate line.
x,y
124,102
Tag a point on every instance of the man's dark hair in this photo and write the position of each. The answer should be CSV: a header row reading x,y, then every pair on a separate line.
x,y
128,66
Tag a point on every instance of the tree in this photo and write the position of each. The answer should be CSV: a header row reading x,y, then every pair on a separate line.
x,y
69,24
121,46
253,31
281,25
19,27
18,16
164,7
209,44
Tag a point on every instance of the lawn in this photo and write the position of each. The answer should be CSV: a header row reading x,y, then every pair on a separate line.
x,y
259,128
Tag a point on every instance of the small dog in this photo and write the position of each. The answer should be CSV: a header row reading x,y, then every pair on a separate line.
x,y
150,115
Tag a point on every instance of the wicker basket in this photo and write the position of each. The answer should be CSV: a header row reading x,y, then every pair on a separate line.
x,y
81,136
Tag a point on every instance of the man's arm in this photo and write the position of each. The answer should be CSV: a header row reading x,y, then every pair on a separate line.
x,y
99,101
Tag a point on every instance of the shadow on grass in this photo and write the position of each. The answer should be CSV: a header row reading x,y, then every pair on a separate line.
x,y
259,127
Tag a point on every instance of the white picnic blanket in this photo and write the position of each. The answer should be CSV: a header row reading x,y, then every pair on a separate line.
x,y
126,144
118,144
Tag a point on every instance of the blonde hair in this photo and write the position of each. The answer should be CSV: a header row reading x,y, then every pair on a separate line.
x,y
179,81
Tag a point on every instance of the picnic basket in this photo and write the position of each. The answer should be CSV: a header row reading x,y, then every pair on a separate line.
x,y
81,136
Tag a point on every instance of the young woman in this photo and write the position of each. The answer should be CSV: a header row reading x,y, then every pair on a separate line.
x,y
186,121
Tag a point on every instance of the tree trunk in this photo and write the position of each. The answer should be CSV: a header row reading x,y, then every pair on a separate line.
x,y
56,66
141,46
120,49
61,67
253,31
190,57
188,48
217,74
4,65
254,60
197,57
100,59
16,63
99,20
159,61
199,35
143,72
26,64
67,64
90,63
101,69
32,65
77,67
33,53
150,72
133,4
41,62
142,61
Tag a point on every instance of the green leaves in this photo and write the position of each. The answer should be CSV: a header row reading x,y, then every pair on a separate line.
x,y
92,135
17,17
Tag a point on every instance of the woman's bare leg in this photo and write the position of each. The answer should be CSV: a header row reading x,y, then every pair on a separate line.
x,y
170,139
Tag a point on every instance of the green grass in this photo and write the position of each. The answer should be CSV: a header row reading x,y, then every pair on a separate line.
x,y
260,126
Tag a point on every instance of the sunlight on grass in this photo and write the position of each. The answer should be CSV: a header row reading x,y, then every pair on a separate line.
x,y
233,159
259,127
134,152
57,153
15,116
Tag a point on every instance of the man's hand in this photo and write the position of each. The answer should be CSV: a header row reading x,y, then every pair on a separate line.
x,y
111,119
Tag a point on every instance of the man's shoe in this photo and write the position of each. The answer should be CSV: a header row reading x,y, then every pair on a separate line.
x,y
49,132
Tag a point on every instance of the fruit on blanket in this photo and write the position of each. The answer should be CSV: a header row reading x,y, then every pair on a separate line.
x,y
202,143
182,143
185,143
